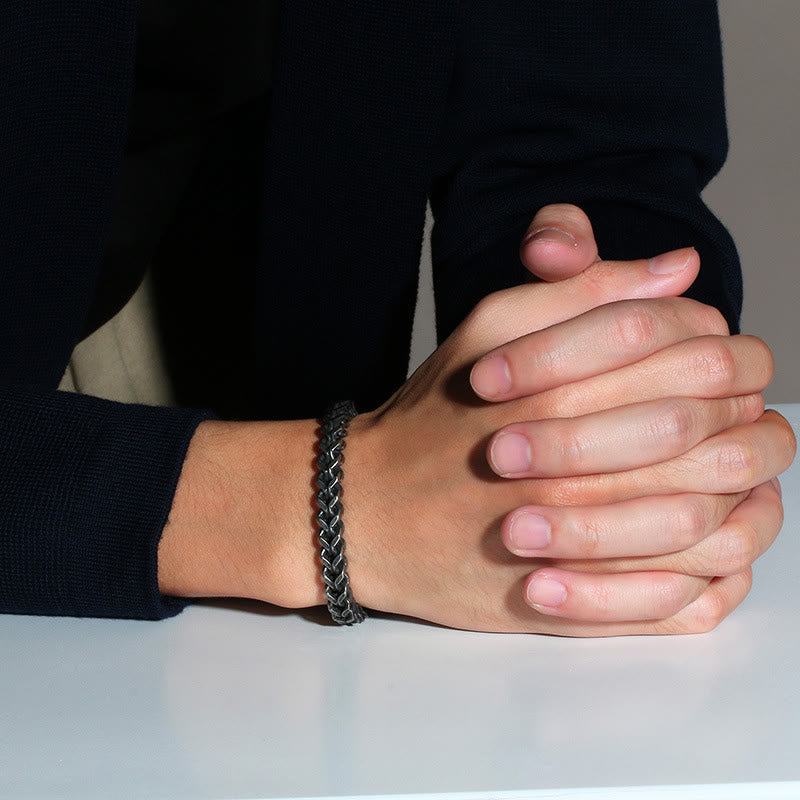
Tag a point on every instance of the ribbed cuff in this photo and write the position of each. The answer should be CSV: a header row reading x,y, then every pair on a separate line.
x,y
86,492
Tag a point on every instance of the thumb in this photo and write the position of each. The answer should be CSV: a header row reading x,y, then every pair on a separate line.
x,y
559,243
512,313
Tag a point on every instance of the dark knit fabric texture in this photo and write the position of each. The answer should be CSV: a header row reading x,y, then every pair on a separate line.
x,y
616,107
92,484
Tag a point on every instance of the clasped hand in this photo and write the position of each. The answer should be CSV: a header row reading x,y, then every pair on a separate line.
x,y
584,457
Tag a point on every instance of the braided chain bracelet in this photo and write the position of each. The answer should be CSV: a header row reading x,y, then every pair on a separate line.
x,y
343,608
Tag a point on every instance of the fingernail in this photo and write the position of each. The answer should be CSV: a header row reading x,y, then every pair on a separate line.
x,y
545,592
491,377
529,532
551,235
669,263
511,454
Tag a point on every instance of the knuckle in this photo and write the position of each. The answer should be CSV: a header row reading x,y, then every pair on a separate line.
x,y
711,608
571,446
485,312
591,537
718,601
749,407
787,445
690,524
714,365
670,596
709,611
676,423
762,358
549,364
739,462
632,328
750,546
712,321
737,550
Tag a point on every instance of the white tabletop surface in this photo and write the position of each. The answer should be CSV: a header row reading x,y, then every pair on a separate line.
x,y
226,702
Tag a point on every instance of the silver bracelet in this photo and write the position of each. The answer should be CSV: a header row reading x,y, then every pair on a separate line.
x,y
343,608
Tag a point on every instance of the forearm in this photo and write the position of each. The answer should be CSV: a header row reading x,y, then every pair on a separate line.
x,y
242,521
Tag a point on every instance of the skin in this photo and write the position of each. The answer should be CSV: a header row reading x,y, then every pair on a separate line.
x,y
648,491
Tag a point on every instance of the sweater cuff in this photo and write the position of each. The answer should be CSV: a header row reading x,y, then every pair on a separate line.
x,y
85,503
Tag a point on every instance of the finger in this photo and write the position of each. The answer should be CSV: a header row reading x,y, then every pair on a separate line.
x,y
703,366
559,243
611,598
618,439
509,314
720,597
650,526
603,339
743,537
725,544
736,460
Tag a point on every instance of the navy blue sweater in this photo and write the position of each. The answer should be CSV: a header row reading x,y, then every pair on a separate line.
x,y
490,109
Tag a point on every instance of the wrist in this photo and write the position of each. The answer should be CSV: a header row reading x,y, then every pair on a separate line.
x,y
242,523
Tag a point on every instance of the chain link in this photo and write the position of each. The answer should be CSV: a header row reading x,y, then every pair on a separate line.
x,y
343,608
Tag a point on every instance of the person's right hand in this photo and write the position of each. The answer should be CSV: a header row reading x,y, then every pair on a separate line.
x,y
624,392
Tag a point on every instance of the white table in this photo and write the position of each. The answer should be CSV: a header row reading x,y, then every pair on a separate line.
x,y
229,703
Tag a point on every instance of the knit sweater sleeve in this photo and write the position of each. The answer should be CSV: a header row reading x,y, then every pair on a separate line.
x,y
616,107
86,485
86,488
